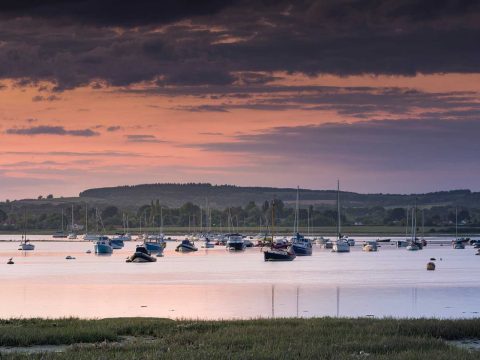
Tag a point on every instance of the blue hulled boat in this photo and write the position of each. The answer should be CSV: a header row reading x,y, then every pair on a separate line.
x,y
155,243
301,245
103,246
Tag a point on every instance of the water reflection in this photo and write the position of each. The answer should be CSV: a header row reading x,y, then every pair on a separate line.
x,y
216,284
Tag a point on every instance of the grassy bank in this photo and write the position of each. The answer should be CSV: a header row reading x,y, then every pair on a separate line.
x,y
324,338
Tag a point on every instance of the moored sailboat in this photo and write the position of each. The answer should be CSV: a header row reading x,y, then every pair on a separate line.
x,y
274,254
25,244
235,242
300,244
341,245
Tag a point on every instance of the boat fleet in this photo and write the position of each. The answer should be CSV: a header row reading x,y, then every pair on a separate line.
x,y
274,248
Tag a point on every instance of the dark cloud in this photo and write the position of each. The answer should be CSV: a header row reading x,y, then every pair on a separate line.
x,y
358,102
232,42
113,12
51,130
203,108
114,128
39,98
381,145
138,138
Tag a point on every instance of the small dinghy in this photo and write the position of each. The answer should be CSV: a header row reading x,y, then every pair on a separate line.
x,y
69,257
10,261
141,255
186,246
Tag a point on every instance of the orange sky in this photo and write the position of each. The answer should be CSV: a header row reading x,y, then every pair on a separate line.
x,y
109,159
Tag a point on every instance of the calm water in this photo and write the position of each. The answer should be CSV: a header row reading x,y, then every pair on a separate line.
x,y
215,284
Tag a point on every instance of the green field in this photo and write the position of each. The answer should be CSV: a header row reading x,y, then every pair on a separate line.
x,y
322,338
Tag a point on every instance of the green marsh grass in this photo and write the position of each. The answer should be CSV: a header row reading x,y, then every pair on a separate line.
x,y
322,338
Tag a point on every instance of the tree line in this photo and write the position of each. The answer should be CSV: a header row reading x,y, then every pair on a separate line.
x,y
191,215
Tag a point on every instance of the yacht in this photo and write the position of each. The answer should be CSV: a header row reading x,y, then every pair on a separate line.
x,y
186,246
155,243
279,254
369,246
61,234
208,244
414,244
103,246
341,245
72,235
458,243
235,242
25,245
300,244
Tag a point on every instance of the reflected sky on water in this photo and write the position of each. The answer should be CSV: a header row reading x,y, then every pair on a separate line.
x,y
217,284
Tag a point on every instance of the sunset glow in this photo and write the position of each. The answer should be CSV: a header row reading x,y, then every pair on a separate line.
x,y
216,96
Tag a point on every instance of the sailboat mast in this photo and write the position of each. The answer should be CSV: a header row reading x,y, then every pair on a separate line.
x,y
273,221
414,222
406,224
161,220
295,225
339,229
423,224
24,236
456,223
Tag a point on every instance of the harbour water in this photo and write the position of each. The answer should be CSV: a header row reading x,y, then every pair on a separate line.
x,y
217,284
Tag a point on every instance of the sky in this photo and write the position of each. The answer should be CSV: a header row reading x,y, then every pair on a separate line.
x,y
381,94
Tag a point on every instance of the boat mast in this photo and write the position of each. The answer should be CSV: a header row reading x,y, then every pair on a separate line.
x,y
72,219
406,224
161,220
308,221
338,210
24,235
273,222
456,223
423,224
295,225
414,222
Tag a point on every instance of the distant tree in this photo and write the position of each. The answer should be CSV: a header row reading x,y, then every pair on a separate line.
x,y
265,206
40,197
109,211
463,215
250,206
49,196
3,216
396,214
